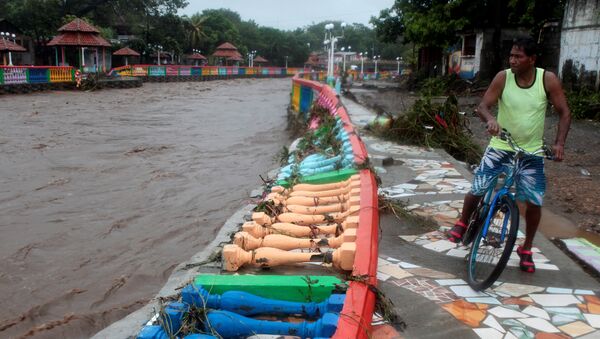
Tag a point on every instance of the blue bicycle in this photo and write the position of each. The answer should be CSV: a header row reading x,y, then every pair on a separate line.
x,y
494,224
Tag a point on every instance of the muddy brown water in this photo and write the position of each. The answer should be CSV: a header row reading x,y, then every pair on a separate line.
x,y
102,194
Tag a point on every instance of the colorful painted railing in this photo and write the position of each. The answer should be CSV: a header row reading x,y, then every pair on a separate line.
x,y
356,75
357,313
183,70
16,75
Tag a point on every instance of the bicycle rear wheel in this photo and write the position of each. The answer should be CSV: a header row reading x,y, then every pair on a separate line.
x,y
490,254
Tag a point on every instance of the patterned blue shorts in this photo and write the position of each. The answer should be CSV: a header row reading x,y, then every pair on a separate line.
x,y
530,179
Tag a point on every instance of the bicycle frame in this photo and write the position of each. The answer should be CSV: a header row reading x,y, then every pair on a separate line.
x,y
504,191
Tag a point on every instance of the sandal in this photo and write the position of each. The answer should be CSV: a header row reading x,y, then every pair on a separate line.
x,y
456,233
526,264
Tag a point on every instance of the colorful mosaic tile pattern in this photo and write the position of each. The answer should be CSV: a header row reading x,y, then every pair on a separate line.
x,y
428,289
585,251
436,241
430,182
506,310
445,213
394,149
433,177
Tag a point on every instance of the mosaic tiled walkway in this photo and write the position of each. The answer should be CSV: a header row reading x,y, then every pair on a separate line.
x,y
393,148
504,311
433,177
585,251
445,213
436,241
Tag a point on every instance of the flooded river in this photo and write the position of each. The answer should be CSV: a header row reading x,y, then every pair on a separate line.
x,y
102,194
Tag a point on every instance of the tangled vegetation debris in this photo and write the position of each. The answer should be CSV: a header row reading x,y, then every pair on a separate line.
x,y
434,124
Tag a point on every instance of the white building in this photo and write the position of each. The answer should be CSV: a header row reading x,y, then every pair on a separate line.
x,y
580,38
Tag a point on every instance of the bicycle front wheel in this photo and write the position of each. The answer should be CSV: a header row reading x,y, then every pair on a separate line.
x,y
490,252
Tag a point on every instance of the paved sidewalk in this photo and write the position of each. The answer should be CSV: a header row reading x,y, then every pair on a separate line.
x,y
424,274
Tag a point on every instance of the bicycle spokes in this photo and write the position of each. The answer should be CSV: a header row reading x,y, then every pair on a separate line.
x,y
492,245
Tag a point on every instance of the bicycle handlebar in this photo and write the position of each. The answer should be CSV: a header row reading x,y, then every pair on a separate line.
x,y
505,135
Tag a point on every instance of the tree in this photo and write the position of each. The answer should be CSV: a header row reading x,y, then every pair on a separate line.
x,y
38,19
218,29
155,22
196,30
434,23
431,23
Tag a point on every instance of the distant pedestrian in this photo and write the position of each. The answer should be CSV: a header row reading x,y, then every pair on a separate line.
x,y
522,93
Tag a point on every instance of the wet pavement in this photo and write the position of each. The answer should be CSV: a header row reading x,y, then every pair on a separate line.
x,y
425,276
103,193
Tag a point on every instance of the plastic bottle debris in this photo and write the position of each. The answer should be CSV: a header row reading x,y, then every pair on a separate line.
x,y
585,172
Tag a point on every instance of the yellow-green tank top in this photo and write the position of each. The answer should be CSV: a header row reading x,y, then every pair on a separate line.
x,y
522,112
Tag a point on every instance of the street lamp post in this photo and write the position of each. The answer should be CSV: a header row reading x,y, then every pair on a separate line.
x,y
362,63
331,39
376,58
286,58
398,61
251,58
343,49
158,49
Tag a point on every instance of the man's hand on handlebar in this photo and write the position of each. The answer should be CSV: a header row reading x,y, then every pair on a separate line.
x,y
550,153
492,126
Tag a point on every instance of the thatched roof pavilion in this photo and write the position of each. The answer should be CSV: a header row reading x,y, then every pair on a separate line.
x,y
225,51
80,34
260,60
126,52
197,57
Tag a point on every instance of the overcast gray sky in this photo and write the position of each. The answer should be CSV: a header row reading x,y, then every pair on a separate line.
x,y
285,14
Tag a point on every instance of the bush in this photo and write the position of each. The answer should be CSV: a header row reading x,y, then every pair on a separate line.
x,y
584,104
443,85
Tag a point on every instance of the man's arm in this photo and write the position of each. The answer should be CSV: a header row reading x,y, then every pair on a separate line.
x,y
557,98
490,98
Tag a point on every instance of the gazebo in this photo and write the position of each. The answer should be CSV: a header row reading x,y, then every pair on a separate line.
x,y
235,59
226,51
161,57
126,52
82,35
260,60
196,57
7,47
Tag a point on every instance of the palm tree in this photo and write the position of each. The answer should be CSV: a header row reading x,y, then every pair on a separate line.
x,y
196,30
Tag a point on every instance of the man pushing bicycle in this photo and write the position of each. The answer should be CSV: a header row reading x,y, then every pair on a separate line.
x,y
522,93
